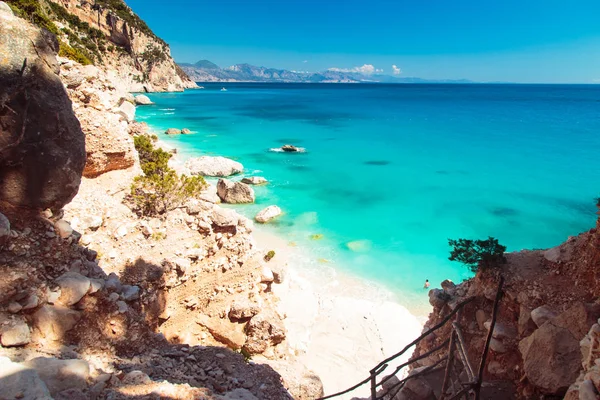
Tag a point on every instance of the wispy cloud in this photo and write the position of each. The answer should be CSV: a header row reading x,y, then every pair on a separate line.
x,y
305,61
396,70
366,69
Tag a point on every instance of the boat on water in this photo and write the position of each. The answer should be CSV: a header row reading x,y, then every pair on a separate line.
x,y
223,90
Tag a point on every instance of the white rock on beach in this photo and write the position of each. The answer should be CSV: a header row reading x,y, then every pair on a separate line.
x,y
143,100
234,192
214,166
268,214
127,110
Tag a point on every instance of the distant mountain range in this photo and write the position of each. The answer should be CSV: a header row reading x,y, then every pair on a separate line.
x,y
206,71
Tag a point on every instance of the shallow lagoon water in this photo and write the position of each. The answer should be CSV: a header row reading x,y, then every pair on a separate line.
x,y
391,172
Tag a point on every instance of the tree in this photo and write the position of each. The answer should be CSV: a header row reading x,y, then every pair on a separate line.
x,y
477,254
160,189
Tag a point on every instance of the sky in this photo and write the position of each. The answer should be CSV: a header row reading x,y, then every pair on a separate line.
x,y
529,41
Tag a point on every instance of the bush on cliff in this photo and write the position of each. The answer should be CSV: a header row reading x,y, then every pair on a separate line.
x,y
73,54
477,254
160,189
32,11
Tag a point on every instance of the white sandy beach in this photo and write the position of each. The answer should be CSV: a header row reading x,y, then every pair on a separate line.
x,y
340,326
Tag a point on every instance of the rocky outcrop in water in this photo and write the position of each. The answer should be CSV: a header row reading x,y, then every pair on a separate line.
x,y
234,192
42,148
214,166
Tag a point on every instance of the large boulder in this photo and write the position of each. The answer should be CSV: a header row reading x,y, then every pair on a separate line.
x,y
263,330
223,331
234,192
268,214
551,359
17,381
42,146
302,383
143,100
59,375
73,287
214,166
14,333
53,322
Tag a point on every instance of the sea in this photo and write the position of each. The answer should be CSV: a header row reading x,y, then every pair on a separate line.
x,y
389,173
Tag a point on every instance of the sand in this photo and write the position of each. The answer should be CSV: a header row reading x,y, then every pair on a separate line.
x,y
339,326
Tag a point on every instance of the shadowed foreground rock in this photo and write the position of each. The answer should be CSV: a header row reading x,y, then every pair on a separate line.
x,y
42,147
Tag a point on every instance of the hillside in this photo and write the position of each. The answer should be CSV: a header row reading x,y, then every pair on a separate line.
x,y
207,71
107,33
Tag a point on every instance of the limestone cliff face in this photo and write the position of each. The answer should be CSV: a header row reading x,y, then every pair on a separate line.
x,y
141,60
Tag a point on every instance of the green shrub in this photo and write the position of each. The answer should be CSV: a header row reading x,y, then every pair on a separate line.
x,y
74,54
160,193
160,189
477,254
269,255
153,161
32,11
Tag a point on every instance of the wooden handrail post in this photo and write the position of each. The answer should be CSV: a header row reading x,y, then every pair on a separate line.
x,y
448,366
373,385
477,385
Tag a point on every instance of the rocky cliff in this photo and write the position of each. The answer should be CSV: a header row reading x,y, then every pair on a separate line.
x,y
97,302
546,337
41,142
108,34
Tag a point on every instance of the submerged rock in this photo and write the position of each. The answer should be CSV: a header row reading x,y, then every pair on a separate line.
x,y
173,131
185,131
42,145
268,214
254,180
234,192
214,166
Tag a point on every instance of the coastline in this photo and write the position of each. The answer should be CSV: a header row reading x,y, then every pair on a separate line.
x,y
338,325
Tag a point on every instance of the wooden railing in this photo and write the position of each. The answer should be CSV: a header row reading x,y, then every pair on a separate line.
x,y
454,363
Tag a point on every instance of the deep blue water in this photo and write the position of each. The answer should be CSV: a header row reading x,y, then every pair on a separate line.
x,y
402,168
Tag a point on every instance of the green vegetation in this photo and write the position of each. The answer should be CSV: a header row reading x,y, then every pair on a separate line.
x,y
158,236
269,255
88,40
477,254
34,12
74,54
160,190
120,9
153,55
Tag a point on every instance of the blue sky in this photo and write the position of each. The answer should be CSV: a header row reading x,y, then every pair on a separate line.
x,y
508,40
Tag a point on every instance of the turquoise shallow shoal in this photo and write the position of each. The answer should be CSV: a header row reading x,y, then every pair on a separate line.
x,y
396,170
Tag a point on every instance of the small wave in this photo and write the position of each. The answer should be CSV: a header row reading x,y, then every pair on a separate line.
x,y
166,109
169,113
280,150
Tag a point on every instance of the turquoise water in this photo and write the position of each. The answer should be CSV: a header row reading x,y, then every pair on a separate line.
x,y
402,168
